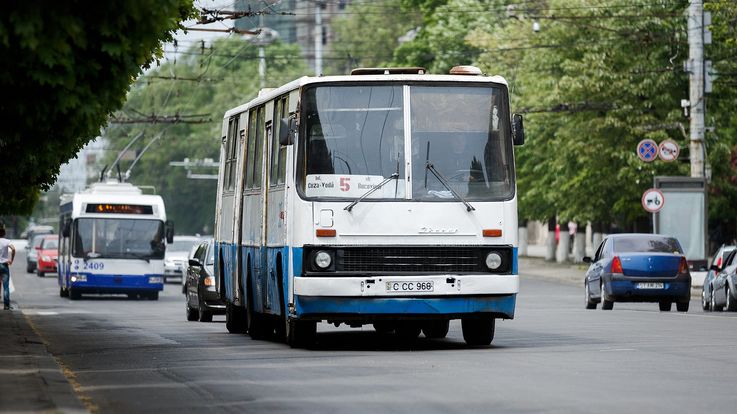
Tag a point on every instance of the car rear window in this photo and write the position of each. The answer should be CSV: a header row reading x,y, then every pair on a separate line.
x,y
647,244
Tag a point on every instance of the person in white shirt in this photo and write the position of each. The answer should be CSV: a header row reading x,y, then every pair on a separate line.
x,y
7,255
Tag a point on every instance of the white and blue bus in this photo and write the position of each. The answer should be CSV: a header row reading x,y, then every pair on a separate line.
x,y
385,197
112,240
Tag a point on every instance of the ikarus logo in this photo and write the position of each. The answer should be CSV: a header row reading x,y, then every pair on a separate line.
x,y
439,230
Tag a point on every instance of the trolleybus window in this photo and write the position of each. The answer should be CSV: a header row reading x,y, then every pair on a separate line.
x,y
119,238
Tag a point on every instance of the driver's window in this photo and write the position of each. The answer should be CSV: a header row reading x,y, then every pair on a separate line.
x,y
730,259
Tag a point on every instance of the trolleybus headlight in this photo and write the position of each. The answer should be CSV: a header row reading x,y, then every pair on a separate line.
x,y
323,259
493,260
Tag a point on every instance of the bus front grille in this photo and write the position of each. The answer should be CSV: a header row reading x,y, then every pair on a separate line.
x,y
409,259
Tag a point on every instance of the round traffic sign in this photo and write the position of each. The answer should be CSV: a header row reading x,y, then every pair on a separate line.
x,y
669,150
653,200
647,150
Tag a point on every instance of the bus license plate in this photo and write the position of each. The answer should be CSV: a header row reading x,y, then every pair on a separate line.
x,y
403,286
649,285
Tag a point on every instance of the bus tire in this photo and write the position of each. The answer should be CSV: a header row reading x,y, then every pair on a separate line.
x,y
408,330
436,329
153,295
384,327
73,295
478,331
235,319
301,334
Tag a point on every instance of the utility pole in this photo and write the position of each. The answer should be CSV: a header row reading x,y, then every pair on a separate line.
x,y
261,57
696,86
318,38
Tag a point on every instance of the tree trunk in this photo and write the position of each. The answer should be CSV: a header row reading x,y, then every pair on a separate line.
x,y
550,241
579,244
522,238
564,244
598,236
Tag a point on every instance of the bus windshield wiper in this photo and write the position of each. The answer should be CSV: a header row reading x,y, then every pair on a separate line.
x,y
444,181
394,176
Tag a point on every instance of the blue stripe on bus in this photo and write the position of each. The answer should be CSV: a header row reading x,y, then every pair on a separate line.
x,y
515,270
321,305
98,281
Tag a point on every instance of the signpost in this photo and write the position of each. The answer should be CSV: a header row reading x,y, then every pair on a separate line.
x,y
647,150
653,200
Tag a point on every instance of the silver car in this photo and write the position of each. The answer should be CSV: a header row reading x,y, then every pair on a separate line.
x,y
176,256
718,262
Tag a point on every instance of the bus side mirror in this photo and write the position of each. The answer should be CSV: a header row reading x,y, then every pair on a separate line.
x,y
169,231
518,130
67,230
287,128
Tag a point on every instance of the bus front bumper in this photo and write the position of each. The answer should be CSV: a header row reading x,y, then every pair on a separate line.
x,y
366,298
115,283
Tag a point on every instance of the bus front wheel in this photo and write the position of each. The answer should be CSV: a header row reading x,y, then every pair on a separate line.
x,y
478,331
301,334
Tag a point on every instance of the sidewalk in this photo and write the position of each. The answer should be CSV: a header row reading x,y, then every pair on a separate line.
x,y
30,378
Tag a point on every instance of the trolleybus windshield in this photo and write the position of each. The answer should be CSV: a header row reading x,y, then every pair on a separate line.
x,y
119,238
354,139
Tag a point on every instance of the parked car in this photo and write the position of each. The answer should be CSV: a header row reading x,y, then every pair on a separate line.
x,y
32,254
723,288
48,253
638,268
175,258
717,264
202,299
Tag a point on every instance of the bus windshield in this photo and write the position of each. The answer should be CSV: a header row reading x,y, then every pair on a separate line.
x,y
355,138
119,238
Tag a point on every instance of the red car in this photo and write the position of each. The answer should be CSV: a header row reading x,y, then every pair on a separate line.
x,y
48,252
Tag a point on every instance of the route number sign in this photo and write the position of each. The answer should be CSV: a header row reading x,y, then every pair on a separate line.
x,y
647,150
669,150
653,200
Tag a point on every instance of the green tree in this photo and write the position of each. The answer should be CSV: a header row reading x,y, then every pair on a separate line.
x,y
368,34
210,81
67,67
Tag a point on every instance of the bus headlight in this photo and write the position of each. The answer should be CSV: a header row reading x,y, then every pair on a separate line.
x,y
155,279
323,260
493,260
78,278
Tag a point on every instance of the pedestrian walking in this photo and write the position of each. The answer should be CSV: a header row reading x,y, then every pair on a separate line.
x,y
7,255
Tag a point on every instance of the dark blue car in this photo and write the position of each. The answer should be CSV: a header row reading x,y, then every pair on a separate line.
x,y
638,268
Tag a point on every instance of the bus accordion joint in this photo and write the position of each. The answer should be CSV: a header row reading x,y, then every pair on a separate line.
x,y
325,233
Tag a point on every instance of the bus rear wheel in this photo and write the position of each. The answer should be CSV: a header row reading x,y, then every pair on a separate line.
x,y
436,329
478,331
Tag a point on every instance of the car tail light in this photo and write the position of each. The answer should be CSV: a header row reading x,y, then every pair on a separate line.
x,y
683,268
617,265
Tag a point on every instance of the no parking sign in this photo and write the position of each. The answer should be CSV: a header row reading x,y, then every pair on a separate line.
x,y
647,150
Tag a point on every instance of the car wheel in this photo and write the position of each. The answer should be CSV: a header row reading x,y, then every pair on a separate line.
x,y
192,313
235,319
589,303
704,300
664,306
682,306
478,331
714,307
63,293
408,331
436,329
205,315
29,267
606,304
40,273
731,303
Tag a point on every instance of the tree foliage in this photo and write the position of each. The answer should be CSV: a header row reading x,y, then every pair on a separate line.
x,y
210,81
66,68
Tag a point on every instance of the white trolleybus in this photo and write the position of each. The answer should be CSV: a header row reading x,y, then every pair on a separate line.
x,y
112,240
386,197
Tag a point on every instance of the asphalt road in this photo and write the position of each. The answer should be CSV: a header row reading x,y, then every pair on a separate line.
x,y
125,356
